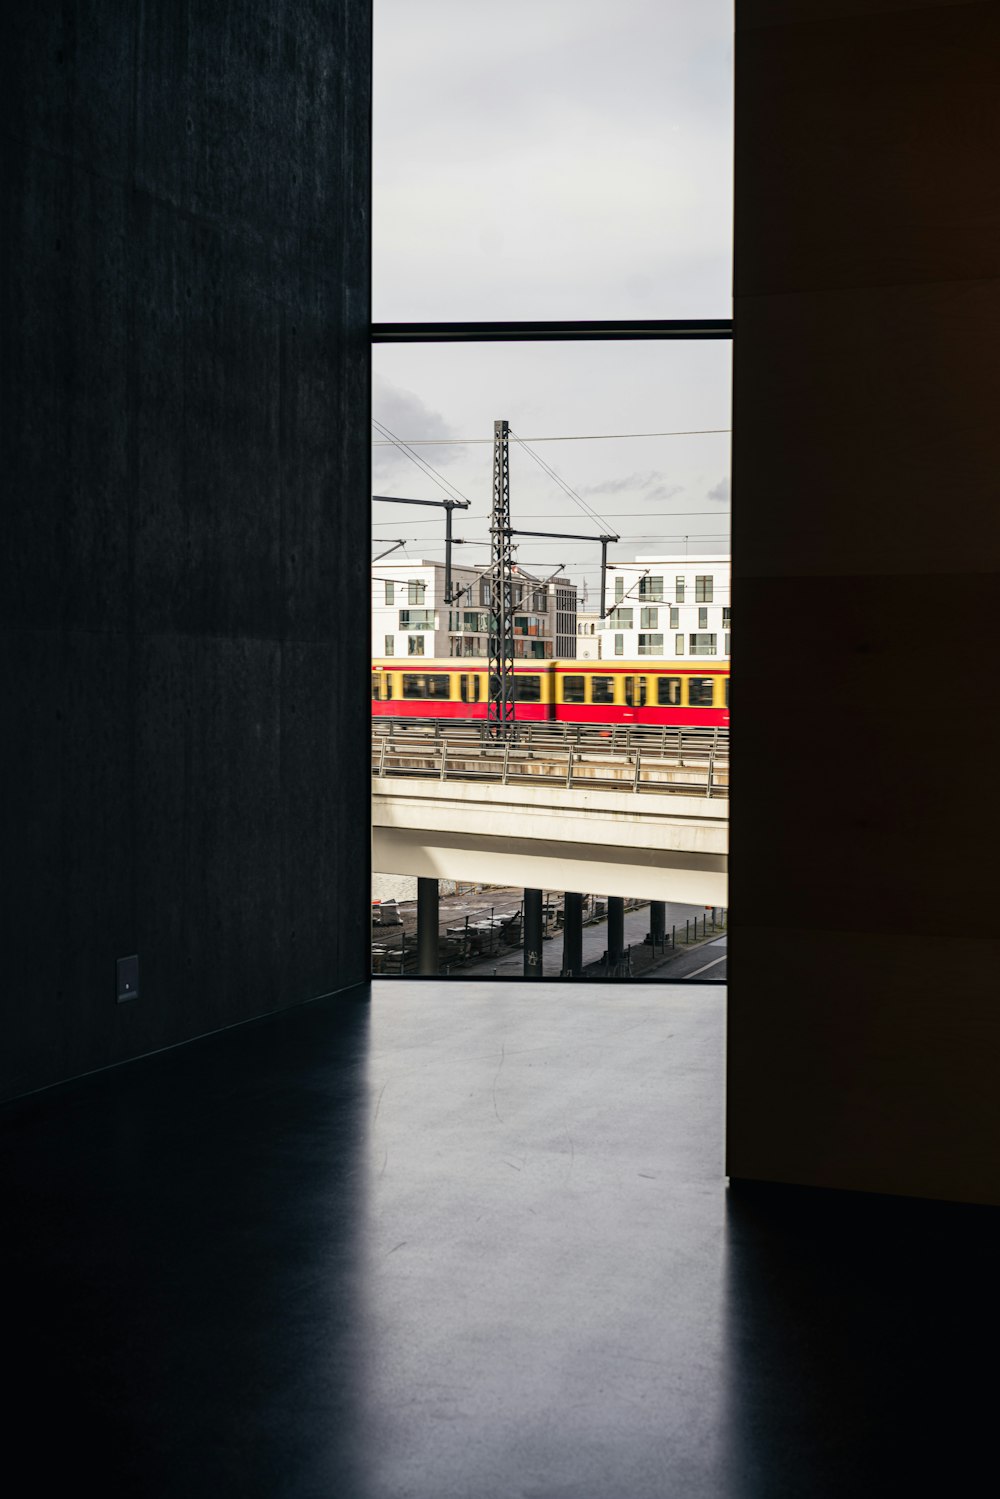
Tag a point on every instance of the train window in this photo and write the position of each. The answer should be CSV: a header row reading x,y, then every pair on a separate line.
x,y
602,689
635,692
387,689
375,692
426,684
527,689
700,691
668,691
727,692
469,687
573,690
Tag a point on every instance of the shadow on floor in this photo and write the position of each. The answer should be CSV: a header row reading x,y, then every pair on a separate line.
x,y
470,1243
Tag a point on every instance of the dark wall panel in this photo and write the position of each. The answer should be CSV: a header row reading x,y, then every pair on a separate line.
x,y
185,409
864,941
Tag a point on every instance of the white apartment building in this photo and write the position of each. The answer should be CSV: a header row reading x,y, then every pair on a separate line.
x,y
410,616
669,607
588,636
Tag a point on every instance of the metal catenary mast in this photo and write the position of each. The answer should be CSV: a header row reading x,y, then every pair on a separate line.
x,y
501,709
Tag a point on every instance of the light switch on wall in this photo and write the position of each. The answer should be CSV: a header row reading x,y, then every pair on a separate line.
x,y
128,978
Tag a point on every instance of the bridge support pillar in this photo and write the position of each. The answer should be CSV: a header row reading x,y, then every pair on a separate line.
x,y
533,934
428,925
572,934
657,922
616,929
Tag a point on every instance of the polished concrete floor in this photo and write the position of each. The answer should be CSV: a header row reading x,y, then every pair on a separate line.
x,y
470,1243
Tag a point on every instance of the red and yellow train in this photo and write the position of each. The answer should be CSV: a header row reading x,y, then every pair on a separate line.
x,y
653,692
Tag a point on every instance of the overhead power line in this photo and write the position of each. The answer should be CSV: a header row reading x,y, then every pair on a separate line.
x,y
391,440
567,489
463,442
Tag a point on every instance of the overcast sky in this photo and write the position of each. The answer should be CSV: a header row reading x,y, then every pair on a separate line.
x,y
556,158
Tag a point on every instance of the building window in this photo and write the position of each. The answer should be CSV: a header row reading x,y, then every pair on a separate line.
x,y
675,618
703,645
390,593
651,588
484,591
650,645
619,590
621,619
415,592
703,619
727,650
679,589
390,645
649,618
678,645
703,585
727,618
619,645
415,645
416,619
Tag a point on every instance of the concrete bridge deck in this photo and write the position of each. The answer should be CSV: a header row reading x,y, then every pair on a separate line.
x,y
546,836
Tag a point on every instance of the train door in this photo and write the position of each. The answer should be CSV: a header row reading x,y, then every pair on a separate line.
x,y
635,692
381,689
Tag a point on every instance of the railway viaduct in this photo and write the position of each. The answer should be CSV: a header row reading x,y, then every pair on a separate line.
x,y
665,848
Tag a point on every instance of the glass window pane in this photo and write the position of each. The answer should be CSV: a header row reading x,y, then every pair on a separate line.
x,y
668,691
609,131
665,495
602,690
573,689
528,689
700,691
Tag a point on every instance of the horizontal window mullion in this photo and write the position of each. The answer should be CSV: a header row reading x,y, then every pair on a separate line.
x,y
626,329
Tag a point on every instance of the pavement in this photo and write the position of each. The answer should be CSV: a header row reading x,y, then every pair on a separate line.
x,y
508,962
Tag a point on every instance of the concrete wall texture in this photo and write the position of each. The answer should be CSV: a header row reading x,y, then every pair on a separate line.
x,y
864,1035
185,392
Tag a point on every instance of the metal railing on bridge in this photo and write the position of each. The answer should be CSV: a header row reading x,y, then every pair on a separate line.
x,y
621,757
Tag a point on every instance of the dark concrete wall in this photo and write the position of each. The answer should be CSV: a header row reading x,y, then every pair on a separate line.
x,y
865,937
185,401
